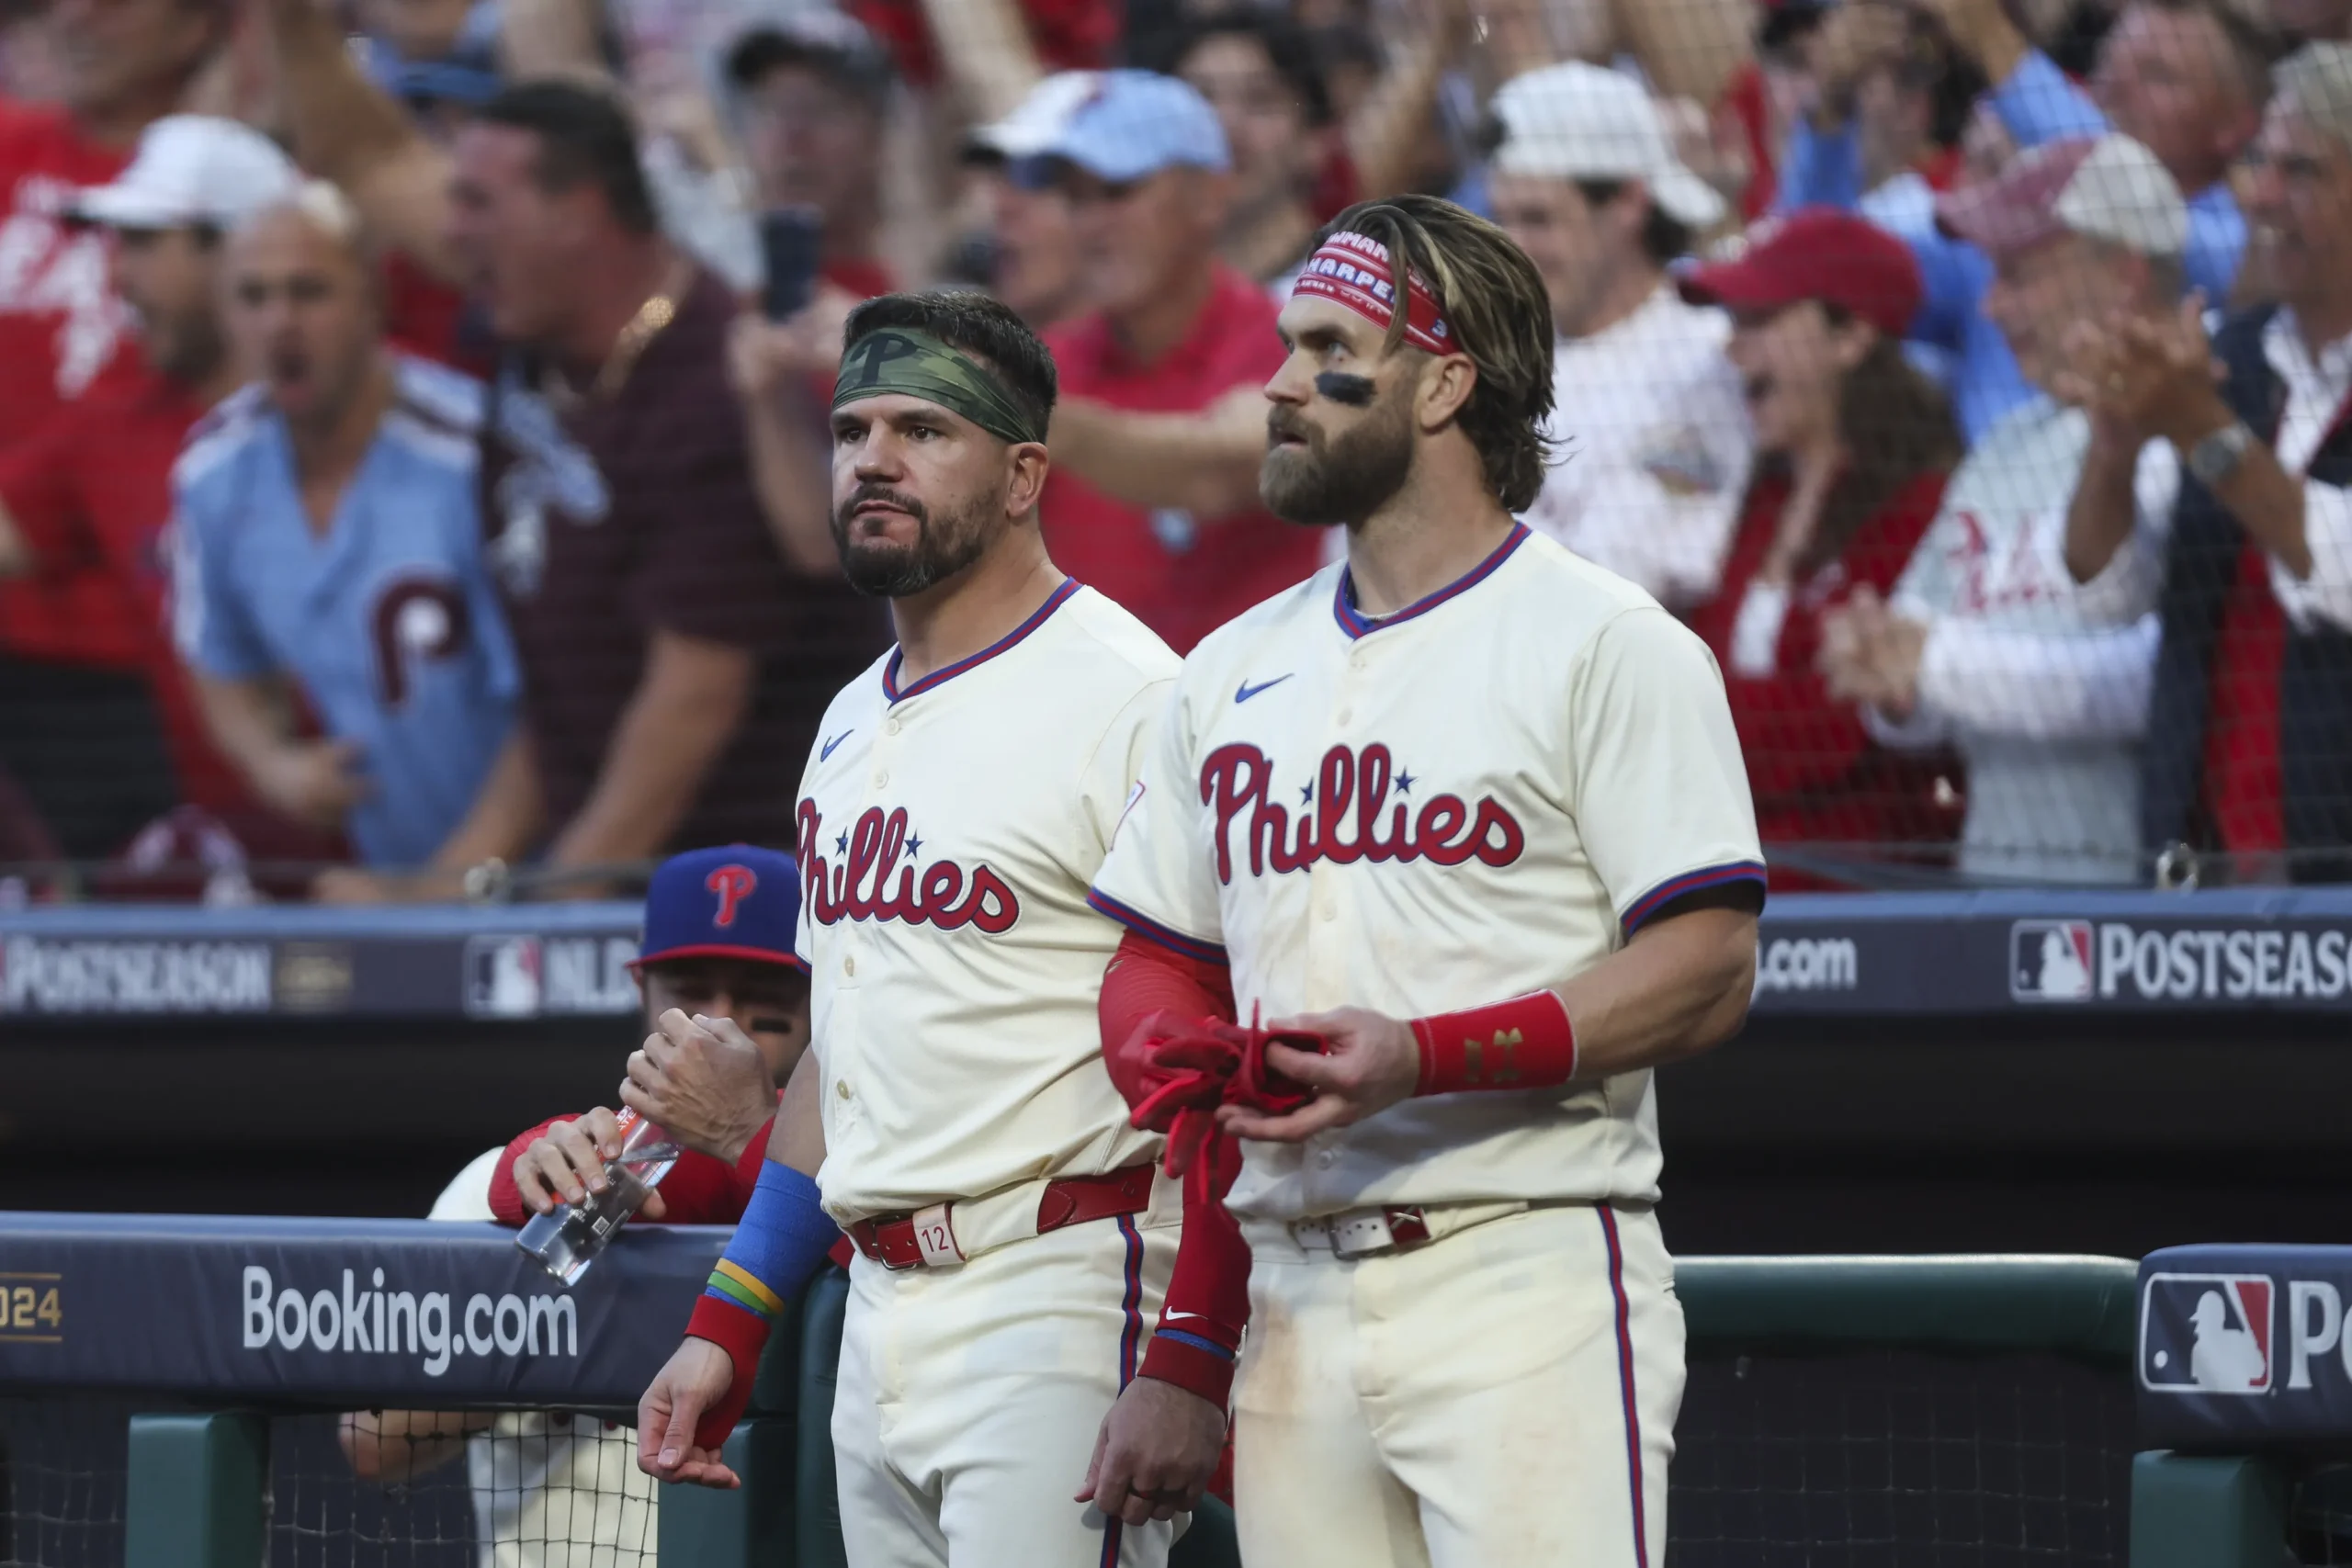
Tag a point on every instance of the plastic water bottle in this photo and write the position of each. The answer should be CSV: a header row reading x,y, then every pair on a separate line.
x,y
566,1240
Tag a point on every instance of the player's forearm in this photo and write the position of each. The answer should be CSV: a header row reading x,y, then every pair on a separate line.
x,y
793,481
687,707
1207,1305
1679,988
1204,463
798,1138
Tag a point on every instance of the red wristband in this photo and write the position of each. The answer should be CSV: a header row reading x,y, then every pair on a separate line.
x,y
743,1335
1199,1364
1525,1043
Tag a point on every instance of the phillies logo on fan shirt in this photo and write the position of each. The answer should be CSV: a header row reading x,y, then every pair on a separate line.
x,y
733,884
858,887
2206,1332
1340,815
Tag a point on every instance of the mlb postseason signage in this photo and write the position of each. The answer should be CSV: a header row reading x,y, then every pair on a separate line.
x,y
514,962
1875,954
337,1312
2243,1348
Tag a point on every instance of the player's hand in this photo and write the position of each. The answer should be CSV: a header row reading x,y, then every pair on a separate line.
x,y
695,1378
1368,1064
566,1163
317,782
703,1081
1156,1453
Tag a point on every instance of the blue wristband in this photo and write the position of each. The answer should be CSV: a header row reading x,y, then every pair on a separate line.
x,y
780,1243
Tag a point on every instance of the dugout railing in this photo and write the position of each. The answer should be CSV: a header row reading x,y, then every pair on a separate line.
x,y
1841,1413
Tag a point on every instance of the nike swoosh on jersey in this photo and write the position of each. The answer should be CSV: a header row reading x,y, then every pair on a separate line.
x,y
1245,691
1173,1316
827,751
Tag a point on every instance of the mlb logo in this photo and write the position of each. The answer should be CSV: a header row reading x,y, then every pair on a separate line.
x,y
2206,1333
502,976
2049,961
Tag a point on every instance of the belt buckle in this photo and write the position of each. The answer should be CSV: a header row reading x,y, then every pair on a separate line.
x,y
1359,1233
881,1252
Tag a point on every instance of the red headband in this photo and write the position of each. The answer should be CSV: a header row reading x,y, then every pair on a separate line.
x,y
1352,269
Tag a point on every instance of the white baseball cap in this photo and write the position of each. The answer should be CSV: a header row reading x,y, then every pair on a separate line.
x,y
1576,121
2108,187
1036,122
193,168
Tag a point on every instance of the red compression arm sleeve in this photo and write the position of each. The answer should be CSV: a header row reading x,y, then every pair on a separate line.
x,y
1208,1296
1145,978
506,1204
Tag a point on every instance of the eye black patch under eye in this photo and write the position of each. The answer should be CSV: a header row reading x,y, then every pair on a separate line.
x,y
1341,388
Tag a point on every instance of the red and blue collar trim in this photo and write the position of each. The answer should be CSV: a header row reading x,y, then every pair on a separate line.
x,y
892,692
1355,624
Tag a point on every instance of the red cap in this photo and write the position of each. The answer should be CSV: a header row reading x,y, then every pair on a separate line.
x,y
1816,253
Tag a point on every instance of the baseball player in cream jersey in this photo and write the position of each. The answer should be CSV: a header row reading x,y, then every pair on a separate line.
x,y
1472,810
1013,1236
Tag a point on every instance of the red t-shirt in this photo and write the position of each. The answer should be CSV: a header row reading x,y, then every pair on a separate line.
x,y
61,327
1181,576
1069,34
92,494
1814,770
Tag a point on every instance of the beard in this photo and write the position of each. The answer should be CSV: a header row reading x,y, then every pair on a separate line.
x,y
1327,482
942,547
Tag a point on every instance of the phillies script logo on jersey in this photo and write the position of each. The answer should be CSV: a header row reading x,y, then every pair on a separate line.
x,y
860,887
1339,816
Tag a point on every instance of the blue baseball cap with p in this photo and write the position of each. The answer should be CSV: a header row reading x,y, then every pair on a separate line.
x,y
1131,124
734,901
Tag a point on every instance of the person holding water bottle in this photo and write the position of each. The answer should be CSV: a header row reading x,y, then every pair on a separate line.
x,y
727,1015
727,1011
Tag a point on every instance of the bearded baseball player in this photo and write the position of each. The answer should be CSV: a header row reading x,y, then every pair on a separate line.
x,y
1014,1238
1472,810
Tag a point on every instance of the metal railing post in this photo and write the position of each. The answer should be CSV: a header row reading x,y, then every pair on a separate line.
x,y
197,1492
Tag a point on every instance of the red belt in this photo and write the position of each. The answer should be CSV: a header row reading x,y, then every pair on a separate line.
x,y
890,1239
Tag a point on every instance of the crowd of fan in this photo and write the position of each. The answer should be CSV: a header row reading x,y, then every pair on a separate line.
x,y
399,470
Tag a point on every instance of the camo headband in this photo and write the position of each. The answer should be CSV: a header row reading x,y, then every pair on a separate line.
x,y
916,364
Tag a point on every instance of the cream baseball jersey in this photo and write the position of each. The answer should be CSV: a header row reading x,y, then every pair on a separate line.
x,y
949,830
1478,795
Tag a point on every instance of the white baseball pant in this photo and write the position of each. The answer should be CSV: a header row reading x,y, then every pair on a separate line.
x,y
969,1398
1502,1397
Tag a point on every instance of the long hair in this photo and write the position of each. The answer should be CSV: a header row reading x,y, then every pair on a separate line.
x,y
1896,425
1493,301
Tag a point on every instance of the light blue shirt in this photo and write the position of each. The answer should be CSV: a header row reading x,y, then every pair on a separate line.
x,y
389,623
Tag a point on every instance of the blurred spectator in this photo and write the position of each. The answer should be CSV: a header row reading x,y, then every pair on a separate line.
x,y
103,753
1162,426
1765,98
2184,78
1854,446
1028,255
1648,410
552,1489
75,646
814,88
1990,644
671,691
2250,730
330,544
2312,22
1889,103
1256,71
1296,162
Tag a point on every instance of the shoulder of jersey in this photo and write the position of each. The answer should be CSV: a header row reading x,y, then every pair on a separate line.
x,y
437,413
228,428
1102,621
1558,574
1276,616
